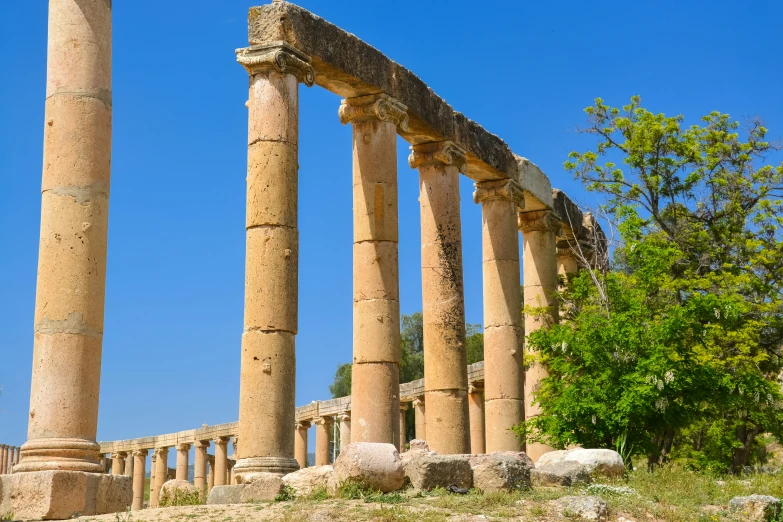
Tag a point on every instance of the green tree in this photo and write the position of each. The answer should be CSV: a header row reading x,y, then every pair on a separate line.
x,y
341,386
677,349
474,343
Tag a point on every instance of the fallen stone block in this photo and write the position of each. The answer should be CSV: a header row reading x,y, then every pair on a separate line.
x,y
174,488
226,494
584,508
372,464
565,473
756,508
307,481
427,471
261,487
502,471
601,461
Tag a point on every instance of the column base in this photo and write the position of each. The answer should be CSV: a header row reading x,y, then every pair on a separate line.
x,y
277,465
60,495
60,454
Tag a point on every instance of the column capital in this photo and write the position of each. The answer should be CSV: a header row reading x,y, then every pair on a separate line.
x,y
278,56
475,388
445,153
302,425
344,416
501,189
140,453
323,421
185,446
160,451
201,443
403,406
538,221
418,401
374,107
221,440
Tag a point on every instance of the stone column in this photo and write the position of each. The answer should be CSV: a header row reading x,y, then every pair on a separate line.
x,y
118,463
300,443
211,473
345,429
476,408
375,394
129,465
3,459
153,503
420,418
539,231
161,471
182,461
323,431
503,369
200,466
139,472
71,280
403,426
445,356
18,456
230,464
221,457
268,375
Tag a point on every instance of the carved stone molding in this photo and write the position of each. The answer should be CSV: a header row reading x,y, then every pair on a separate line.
x,y
503,189
538,221
278,56
438,153
202,444
140,453
403,406
344,416
183,447
474,388
374,106
320,421
418,401
302,425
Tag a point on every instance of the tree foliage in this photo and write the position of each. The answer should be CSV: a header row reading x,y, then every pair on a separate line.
x,y
675,351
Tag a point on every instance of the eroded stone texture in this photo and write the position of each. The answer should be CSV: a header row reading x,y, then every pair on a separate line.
x,y
445,358
375,465
420,419
503,370
345,429
565,473
501,471
582,508
307,481
300,443
426,471
200,465
376,316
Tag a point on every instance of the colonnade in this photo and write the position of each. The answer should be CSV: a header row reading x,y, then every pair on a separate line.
x,y
9,457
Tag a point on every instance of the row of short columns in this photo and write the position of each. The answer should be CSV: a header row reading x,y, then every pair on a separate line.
x,y
9,457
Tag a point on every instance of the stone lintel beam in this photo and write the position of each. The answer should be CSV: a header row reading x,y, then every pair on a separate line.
x,y
349,67
570,216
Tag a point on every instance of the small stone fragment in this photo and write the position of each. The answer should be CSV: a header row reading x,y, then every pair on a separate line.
x,y
583,508
566,473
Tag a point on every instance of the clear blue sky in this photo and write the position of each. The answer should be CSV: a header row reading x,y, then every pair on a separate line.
x,y
174,292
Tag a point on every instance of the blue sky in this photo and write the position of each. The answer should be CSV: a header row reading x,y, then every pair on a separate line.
x,y
174,293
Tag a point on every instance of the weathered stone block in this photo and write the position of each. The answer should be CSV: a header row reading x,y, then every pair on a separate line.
x,y
372,464
507,471
309,480
581,508
755,508
566,473
226,494
261,487
427,471
602,461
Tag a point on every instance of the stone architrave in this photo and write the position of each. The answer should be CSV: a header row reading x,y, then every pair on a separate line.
x,y
221,461
268,375
300,443
420,417
476,409
139,472
200,464
445,355
503,366
345,429
375,398
323,430
182,461
539,231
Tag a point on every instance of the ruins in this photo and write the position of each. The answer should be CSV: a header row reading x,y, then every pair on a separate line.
x,y
458,408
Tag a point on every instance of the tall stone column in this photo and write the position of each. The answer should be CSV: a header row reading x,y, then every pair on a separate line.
x,y
139,472
200,465
221,458
323,430
403,426
161,471
129,465
503,369
375,394
445,355
3,459
345,429
300,443
476,409
211,473
268,375
71,280
153,479
118,463
182,461
539,231
230,464
419,413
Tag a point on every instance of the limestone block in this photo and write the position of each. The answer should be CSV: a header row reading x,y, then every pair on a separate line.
x,y
448,422
426,471
565,473
501,471
581,508
755,508
226,494
273,108
376,333
272,183
309,480
261,487
602,461
418,445
58,495
171,487
373,464
374,417
535,183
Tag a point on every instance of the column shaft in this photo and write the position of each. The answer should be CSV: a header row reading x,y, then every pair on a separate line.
x,y
300,444
139,472
117,464
182,461
153,479
211,473
345,430
419,412
221,458
445,356
376,306
268,374
323,431
540,279
72,254
403,426
476,408
3,459
200,465
161,471
503,368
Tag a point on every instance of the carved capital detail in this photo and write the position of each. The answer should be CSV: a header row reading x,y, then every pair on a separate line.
x,y
278,56
538,221
183,447
140,453
502,189
418,401
403,406
374,107
344,416
221,440
202,444
302,425
323,421
438,153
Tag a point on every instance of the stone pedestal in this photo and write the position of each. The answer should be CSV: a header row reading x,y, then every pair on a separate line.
x,y
221,461
375,394
300,443
476,409
345,429
200,465
539,231
503,369
445,357
323,431
268,376
139,472
420,418
182,461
